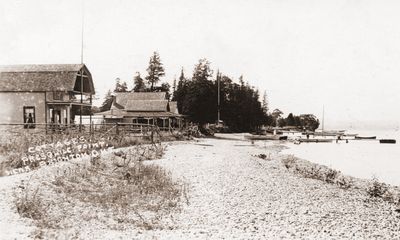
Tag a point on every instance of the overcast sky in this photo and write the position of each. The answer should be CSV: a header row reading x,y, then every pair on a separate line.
x,y
305,54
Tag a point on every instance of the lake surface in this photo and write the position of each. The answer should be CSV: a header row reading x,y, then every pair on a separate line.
x,y
358,158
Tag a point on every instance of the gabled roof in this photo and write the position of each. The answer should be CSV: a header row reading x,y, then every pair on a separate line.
x,y
147,105
123,98
49,77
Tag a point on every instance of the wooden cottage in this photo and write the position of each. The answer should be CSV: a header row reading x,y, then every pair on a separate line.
x,y
33,95
144,108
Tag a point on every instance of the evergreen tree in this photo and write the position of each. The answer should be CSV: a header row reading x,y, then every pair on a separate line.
x,y
174,87
138,82
166,88
290,120
241,108
265,103
155,70
202,71
108,99
181,91
120,87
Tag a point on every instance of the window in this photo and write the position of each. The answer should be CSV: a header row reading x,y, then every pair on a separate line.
x,y
57,95
29,117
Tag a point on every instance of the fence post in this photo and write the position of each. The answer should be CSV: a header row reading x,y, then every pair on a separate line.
x,y
117,129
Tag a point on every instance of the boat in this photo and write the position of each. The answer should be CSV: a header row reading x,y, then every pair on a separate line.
x,y
267,137
364,138
392,141
315,140
350,135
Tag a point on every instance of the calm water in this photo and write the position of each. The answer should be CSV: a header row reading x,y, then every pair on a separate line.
x,y
362,159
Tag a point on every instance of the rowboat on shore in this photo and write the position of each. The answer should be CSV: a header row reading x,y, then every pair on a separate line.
x,y
392,141
364,138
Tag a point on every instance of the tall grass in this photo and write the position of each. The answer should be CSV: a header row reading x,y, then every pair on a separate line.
x,y
134,192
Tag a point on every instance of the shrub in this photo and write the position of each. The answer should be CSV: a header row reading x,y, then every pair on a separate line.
x,y
377,189
315,171
30,205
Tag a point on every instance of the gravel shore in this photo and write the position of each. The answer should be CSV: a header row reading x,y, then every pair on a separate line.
x,y
233,194
236,195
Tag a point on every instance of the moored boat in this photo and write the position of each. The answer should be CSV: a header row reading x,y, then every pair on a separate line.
x,y
392,141
362,138
315,140
267,137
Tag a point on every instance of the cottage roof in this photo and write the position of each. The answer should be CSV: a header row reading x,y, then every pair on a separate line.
x,y
121,114
123,98
38,78
147,105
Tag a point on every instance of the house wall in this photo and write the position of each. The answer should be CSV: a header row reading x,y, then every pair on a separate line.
x,y
64,96
12,104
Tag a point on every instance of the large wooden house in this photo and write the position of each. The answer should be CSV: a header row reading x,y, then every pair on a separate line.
x,y
36,95
143,108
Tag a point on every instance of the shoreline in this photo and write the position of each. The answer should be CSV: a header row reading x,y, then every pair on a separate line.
x,y
360,159
233,193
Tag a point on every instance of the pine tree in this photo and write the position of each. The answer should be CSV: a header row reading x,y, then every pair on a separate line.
x,y
290,120
202,70
120,87
165,87
174,86
138,82
265,102
155,70
241,82
107,102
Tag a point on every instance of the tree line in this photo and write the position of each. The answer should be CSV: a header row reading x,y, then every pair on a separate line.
x,y
197,97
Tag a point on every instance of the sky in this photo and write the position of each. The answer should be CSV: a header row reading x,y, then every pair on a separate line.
x,y
343,55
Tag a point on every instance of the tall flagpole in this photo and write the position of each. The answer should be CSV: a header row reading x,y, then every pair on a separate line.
x,y
218,83
81,107
82,28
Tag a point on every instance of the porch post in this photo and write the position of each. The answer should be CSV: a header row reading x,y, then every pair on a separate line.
x,y
68,115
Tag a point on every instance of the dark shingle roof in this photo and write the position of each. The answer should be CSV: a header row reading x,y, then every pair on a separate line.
x,y
51,77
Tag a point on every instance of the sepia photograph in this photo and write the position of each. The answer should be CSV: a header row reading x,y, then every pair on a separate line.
x,y
184,119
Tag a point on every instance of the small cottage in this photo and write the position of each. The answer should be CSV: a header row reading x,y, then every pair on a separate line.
x,y
144,108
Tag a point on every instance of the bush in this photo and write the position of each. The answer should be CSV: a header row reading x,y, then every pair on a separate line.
x,y
377,189
316,171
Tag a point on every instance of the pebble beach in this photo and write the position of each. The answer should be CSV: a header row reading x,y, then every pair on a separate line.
x,y
234,194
